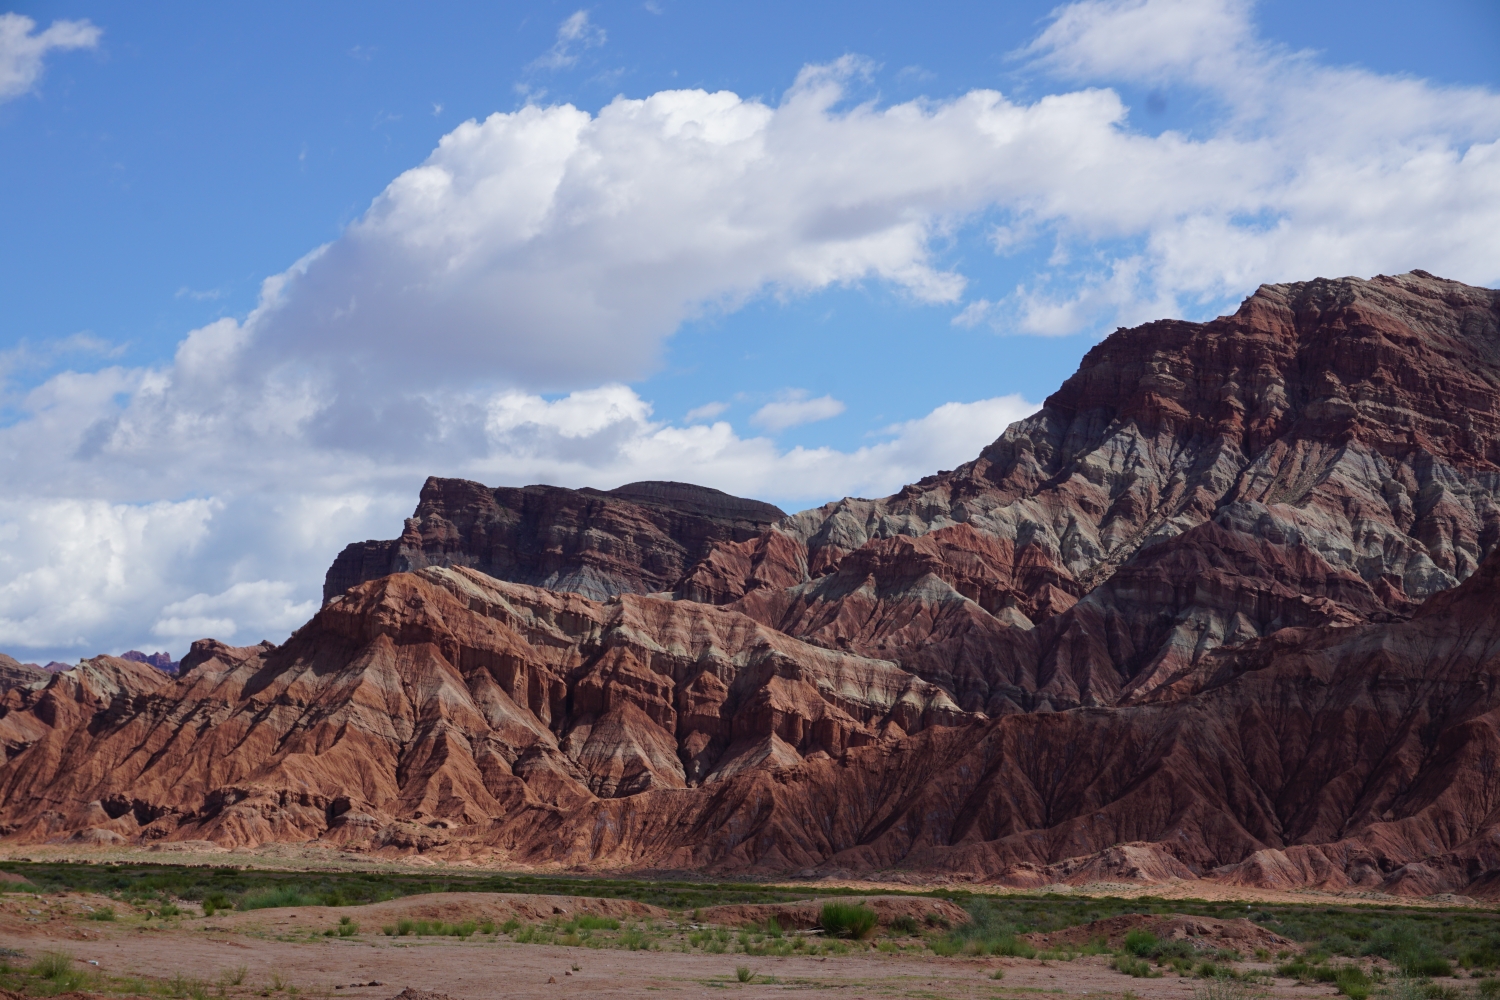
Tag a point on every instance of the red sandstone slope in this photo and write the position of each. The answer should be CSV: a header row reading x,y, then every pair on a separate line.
x,y
447,712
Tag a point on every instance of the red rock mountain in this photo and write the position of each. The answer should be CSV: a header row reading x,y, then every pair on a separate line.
x,y
14,673
1227,607
637,539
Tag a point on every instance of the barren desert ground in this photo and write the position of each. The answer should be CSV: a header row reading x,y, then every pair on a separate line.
x,y
287,952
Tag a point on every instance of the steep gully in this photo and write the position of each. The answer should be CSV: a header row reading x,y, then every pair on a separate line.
x,y
1225,608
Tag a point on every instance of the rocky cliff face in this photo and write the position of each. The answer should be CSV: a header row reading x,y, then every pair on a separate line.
x,y
1329,454
636,539
1227,607
14,673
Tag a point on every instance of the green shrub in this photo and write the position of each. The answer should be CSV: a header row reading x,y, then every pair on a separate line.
x,y
1134,967
773,927
1009,944
1141,943
906,924
52,965
743,973
590,922
103,913
848,920
279,896
347,927
1425,964
944,946
1489,988
486,927
1353,982
169,910
998,974
510,926
1432,991
1338,944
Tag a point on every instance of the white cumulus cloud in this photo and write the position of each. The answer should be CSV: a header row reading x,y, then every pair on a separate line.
x,y
266,603
22,49
794,408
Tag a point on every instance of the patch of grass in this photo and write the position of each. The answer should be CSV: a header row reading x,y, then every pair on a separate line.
x,y
265,899
52,965
1136,968
1141,943
998,974
590,922
906,924
847,920
418,928
105,912
743,974
1353,982
1221,989
634,939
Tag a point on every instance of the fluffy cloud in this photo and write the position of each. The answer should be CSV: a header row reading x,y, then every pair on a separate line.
x,y
483,317
90,576
268,604
550,248
22,49
74,568
793,409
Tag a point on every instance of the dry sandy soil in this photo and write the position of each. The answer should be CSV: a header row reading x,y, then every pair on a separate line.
x,y
274,949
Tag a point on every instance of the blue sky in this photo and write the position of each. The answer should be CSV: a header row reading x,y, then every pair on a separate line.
x,y
899,229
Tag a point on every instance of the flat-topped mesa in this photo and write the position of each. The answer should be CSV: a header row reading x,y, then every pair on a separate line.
x,y
638,538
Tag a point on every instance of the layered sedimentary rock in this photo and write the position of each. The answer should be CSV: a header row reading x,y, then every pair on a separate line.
x,y
14,673
637,539
443,698
444,711
1227,607
1328,454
